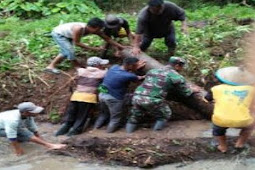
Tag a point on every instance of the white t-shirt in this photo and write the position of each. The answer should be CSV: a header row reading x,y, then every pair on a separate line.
x,y
67,29
11,121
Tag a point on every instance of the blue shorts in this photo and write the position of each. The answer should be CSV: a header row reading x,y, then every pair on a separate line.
x,y
65,44
23,135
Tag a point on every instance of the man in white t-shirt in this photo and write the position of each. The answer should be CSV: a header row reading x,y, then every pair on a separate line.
x,y
69,34
18,126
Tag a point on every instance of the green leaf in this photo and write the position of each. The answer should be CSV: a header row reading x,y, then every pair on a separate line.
x,y
55,10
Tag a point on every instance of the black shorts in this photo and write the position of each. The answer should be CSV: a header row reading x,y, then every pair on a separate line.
x,y
219,131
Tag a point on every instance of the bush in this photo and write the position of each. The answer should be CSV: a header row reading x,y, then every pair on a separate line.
x,y
39,8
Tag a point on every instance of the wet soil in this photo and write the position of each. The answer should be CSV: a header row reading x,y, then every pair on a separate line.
x,y
180,142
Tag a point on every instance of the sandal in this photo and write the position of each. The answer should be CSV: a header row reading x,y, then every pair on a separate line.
x,y
52,70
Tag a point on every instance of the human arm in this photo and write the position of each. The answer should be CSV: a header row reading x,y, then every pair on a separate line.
x,y
125,25
77,34
178,15
136,44
180,85
110,41
184,27
142,27
252,107
30,124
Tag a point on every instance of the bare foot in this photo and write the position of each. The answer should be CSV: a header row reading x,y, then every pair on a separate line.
x,y
239,145
57,146
221,148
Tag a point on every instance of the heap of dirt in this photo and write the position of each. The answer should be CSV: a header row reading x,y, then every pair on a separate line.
x,y
147,152
48,90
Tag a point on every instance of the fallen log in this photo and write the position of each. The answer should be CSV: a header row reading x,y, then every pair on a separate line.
x,y
190,108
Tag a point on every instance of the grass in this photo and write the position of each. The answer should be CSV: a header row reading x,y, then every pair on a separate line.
x,y
30,39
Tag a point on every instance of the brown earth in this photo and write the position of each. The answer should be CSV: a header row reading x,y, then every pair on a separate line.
x,y
180,141
48,90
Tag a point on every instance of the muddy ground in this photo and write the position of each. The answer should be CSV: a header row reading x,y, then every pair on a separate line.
x,y
180,142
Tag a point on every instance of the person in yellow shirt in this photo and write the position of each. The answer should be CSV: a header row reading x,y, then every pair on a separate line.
x,y
116,27
84,98
233,102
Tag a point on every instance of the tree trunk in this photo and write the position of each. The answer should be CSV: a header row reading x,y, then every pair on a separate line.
x,y
190,108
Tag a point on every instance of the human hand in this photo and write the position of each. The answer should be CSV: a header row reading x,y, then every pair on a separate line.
x,y
141,77
140,64
57,146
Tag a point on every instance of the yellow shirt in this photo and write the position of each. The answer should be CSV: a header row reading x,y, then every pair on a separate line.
x,y
84,97
232,105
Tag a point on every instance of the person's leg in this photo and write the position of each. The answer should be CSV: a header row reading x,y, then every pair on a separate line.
x,y
84,109
115,108
219,134
146,42
243,137
136,114
162,113
170,42
71,113
55,61
103,114
66,50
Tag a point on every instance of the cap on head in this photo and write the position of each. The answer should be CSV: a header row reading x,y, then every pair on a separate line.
x,y
153,3
235,76
29,107
96,61
177,60
111,21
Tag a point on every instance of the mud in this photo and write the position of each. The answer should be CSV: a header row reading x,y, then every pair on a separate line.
x,y
180,142
147,152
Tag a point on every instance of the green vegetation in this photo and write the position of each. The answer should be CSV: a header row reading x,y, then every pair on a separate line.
x,y
39,8
27,43
54,116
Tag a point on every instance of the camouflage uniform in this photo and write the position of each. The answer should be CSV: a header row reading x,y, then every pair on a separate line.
x,y
150,95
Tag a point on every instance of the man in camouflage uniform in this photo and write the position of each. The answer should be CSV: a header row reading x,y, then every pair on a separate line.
x,y
150,95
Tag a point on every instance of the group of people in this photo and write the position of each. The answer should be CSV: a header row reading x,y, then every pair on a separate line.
x,y
154,21
96,83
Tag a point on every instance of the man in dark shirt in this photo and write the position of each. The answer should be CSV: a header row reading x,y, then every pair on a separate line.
x,y
155,21
116,27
